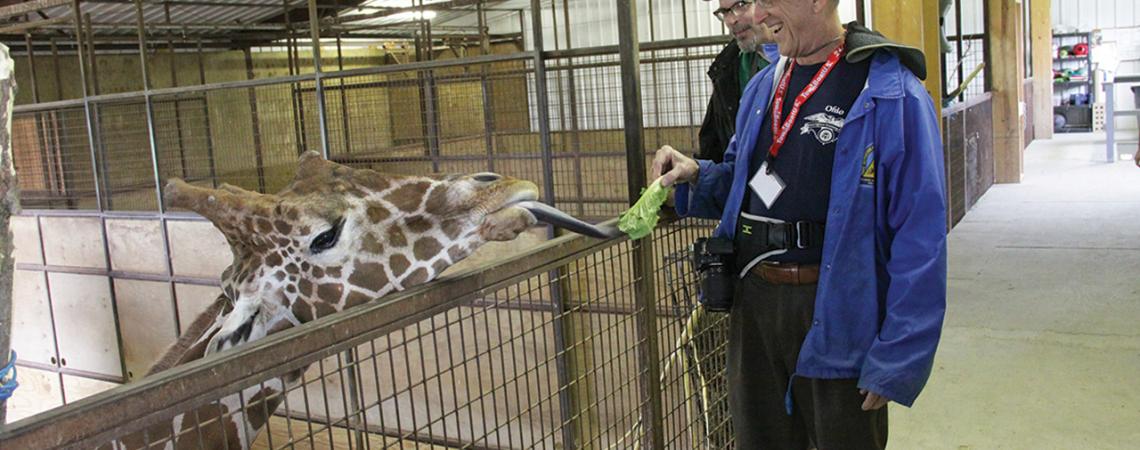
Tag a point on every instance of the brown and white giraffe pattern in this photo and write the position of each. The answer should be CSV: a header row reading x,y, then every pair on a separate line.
x,y
387,233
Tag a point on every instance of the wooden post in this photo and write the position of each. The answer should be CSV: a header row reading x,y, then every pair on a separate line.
x,y
1005,69
914,23
1040,16
9,204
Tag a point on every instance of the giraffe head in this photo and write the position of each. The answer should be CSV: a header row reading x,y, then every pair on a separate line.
x,y
337,236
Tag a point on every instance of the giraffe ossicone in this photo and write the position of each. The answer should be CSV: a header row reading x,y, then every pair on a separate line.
x,y
334,238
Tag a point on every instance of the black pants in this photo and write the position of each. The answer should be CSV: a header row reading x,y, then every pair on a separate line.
x,y
766,329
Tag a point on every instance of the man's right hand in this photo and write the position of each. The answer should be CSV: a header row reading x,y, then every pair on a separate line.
x,y
674,167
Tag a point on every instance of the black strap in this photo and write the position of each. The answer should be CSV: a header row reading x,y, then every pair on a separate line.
x,y
785,235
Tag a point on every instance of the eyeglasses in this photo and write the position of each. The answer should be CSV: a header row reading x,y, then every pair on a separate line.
x,y
736,9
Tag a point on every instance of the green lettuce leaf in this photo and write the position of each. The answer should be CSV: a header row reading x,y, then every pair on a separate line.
x,y
641,218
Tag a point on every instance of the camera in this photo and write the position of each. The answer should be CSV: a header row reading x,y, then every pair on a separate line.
x,y
713,259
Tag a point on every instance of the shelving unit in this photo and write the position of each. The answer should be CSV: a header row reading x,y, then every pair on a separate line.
x,y
1072,99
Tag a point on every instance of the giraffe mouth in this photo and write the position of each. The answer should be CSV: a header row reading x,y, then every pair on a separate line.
x,y
554,216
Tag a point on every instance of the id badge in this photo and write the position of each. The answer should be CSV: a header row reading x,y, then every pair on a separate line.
x,y
767,186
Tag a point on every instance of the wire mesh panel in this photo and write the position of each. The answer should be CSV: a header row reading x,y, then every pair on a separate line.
x,y
52,154
537,351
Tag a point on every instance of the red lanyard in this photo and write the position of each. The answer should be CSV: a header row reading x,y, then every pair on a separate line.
x,y
780,129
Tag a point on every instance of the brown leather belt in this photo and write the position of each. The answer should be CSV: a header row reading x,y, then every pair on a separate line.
x,y
793,274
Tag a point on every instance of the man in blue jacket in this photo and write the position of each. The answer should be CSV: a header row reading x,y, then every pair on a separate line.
x,y
833,193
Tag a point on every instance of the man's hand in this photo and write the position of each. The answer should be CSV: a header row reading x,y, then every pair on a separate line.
x,y
674,167
873,401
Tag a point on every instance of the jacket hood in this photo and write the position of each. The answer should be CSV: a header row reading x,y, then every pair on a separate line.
x,y
863,42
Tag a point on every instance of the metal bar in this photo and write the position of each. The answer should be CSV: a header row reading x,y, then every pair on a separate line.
x,y
1110,121
101,153
30,6
343,100
33,24
575,133
293,57
648,358
177,109
392,68
487,89
206,118
86,102
670,44
322,116
118,274
256,124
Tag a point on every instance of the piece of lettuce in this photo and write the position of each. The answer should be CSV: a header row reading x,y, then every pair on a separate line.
x,y
641,218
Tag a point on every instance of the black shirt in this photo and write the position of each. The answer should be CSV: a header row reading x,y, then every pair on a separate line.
x,y
805,161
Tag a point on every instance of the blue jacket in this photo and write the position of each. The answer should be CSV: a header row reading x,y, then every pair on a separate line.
x,y
882,287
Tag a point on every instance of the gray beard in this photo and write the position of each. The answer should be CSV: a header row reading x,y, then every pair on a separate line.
x,y
749,45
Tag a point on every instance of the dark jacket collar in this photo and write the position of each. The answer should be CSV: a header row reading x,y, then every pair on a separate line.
x,y
862,44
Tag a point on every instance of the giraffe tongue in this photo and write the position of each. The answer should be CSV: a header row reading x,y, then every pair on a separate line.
x,y
554,216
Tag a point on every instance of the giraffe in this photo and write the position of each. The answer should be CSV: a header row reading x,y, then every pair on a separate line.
x,y
336,237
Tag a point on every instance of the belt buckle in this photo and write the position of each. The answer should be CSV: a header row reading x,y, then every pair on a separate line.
x,y
802,231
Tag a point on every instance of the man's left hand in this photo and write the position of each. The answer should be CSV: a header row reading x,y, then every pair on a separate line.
x,y
873,401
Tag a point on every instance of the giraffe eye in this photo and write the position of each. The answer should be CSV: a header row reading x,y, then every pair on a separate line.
x,y
486,177
327,240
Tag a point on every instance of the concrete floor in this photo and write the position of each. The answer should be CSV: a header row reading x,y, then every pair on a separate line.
x,y
1041,346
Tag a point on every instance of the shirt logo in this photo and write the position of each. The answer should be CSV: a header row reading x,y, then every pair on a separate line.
x,y
868,171
825,127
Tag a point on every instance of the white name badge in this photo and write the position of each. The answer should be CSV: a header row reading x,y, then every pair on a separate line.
x,y
767,186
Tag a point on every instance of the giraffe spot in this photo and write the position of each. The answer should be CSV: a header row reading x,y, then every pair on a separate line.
x,y
333,272
330,292
306,287
369,276
452,228
324,309
302,311
456,253
417,277
274,259
396,237
292,289
305,230
370,179
439,266
398,263
284,301
437,200
318,272
279,275
356,298
418,224
407,198
377,213
305,266
292,269
291,215
282,241
282,226
426,249
372,244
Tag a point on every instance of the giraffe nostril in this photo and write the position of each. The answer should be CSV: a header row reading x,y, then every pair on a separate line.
x,y
486,177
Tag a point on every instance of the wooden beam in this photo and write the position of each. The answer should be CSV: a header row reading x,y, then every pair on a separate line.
x,y
1004,69
914,23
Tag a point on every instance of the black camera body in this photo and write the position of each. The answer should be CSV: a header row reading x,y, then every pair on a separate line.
x,y
713,259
